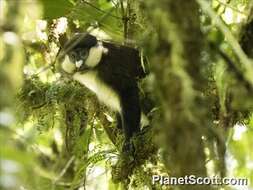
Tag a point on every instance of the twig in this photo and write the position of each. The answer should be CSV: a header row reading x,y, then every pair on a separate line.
x,y
43,69
231,7
117,17
114,3
64,169
122,8
39,106
232,66
124,19
246,63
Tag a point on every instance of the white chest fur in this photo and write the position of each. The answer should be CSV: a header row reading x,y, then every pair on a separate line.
x,y
104,93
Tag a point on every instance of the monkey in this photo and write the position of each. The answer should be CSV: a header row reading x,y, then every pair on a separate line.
x,y
111,72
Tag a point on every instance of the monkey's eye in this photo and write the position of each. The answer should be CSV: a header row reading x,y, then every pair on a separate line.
x,y
72,56
83,54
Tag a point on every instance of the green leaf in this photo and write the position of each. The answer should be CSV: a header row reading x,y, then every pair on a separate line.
x,y
56,8
103,13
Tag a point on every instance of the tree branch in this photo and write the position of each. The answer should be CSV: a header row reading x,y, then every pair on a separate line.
x,y
232,41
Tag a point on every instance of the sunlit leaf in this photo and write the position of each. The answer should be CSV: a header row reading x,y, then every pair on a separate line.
x,y
56,8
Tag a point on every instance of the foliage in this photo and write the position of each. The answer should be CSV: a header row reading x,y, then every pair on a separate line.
x,y
51,9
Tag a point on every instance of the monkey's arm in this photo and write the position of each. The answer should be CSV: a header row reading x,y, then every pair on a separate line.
x,y
130,111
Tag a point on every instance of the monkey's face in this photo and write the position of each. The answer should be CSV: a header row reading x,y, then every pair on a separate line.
x,y
74,60
82,57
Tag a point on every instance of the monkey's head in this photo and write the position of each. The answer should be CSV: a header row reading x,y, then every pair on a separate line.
x,y
82,52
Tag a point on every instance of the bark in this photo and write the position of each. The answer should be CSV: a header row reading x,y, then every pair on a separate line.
x,y
180,85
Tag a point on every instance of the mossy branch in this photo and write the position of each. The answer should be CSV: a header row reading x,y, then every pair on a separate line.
x,y
231,40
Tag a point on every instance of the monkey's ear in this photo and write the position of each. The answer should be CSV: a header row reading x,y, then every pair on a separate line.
x,y
63,40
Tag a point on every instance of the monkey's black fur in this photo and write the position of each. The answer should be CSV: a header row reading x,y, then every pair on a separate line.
x,y
118,69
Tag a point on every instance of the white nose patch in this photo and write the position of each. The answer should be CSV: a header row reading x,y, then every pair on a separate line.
x,y
79,63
